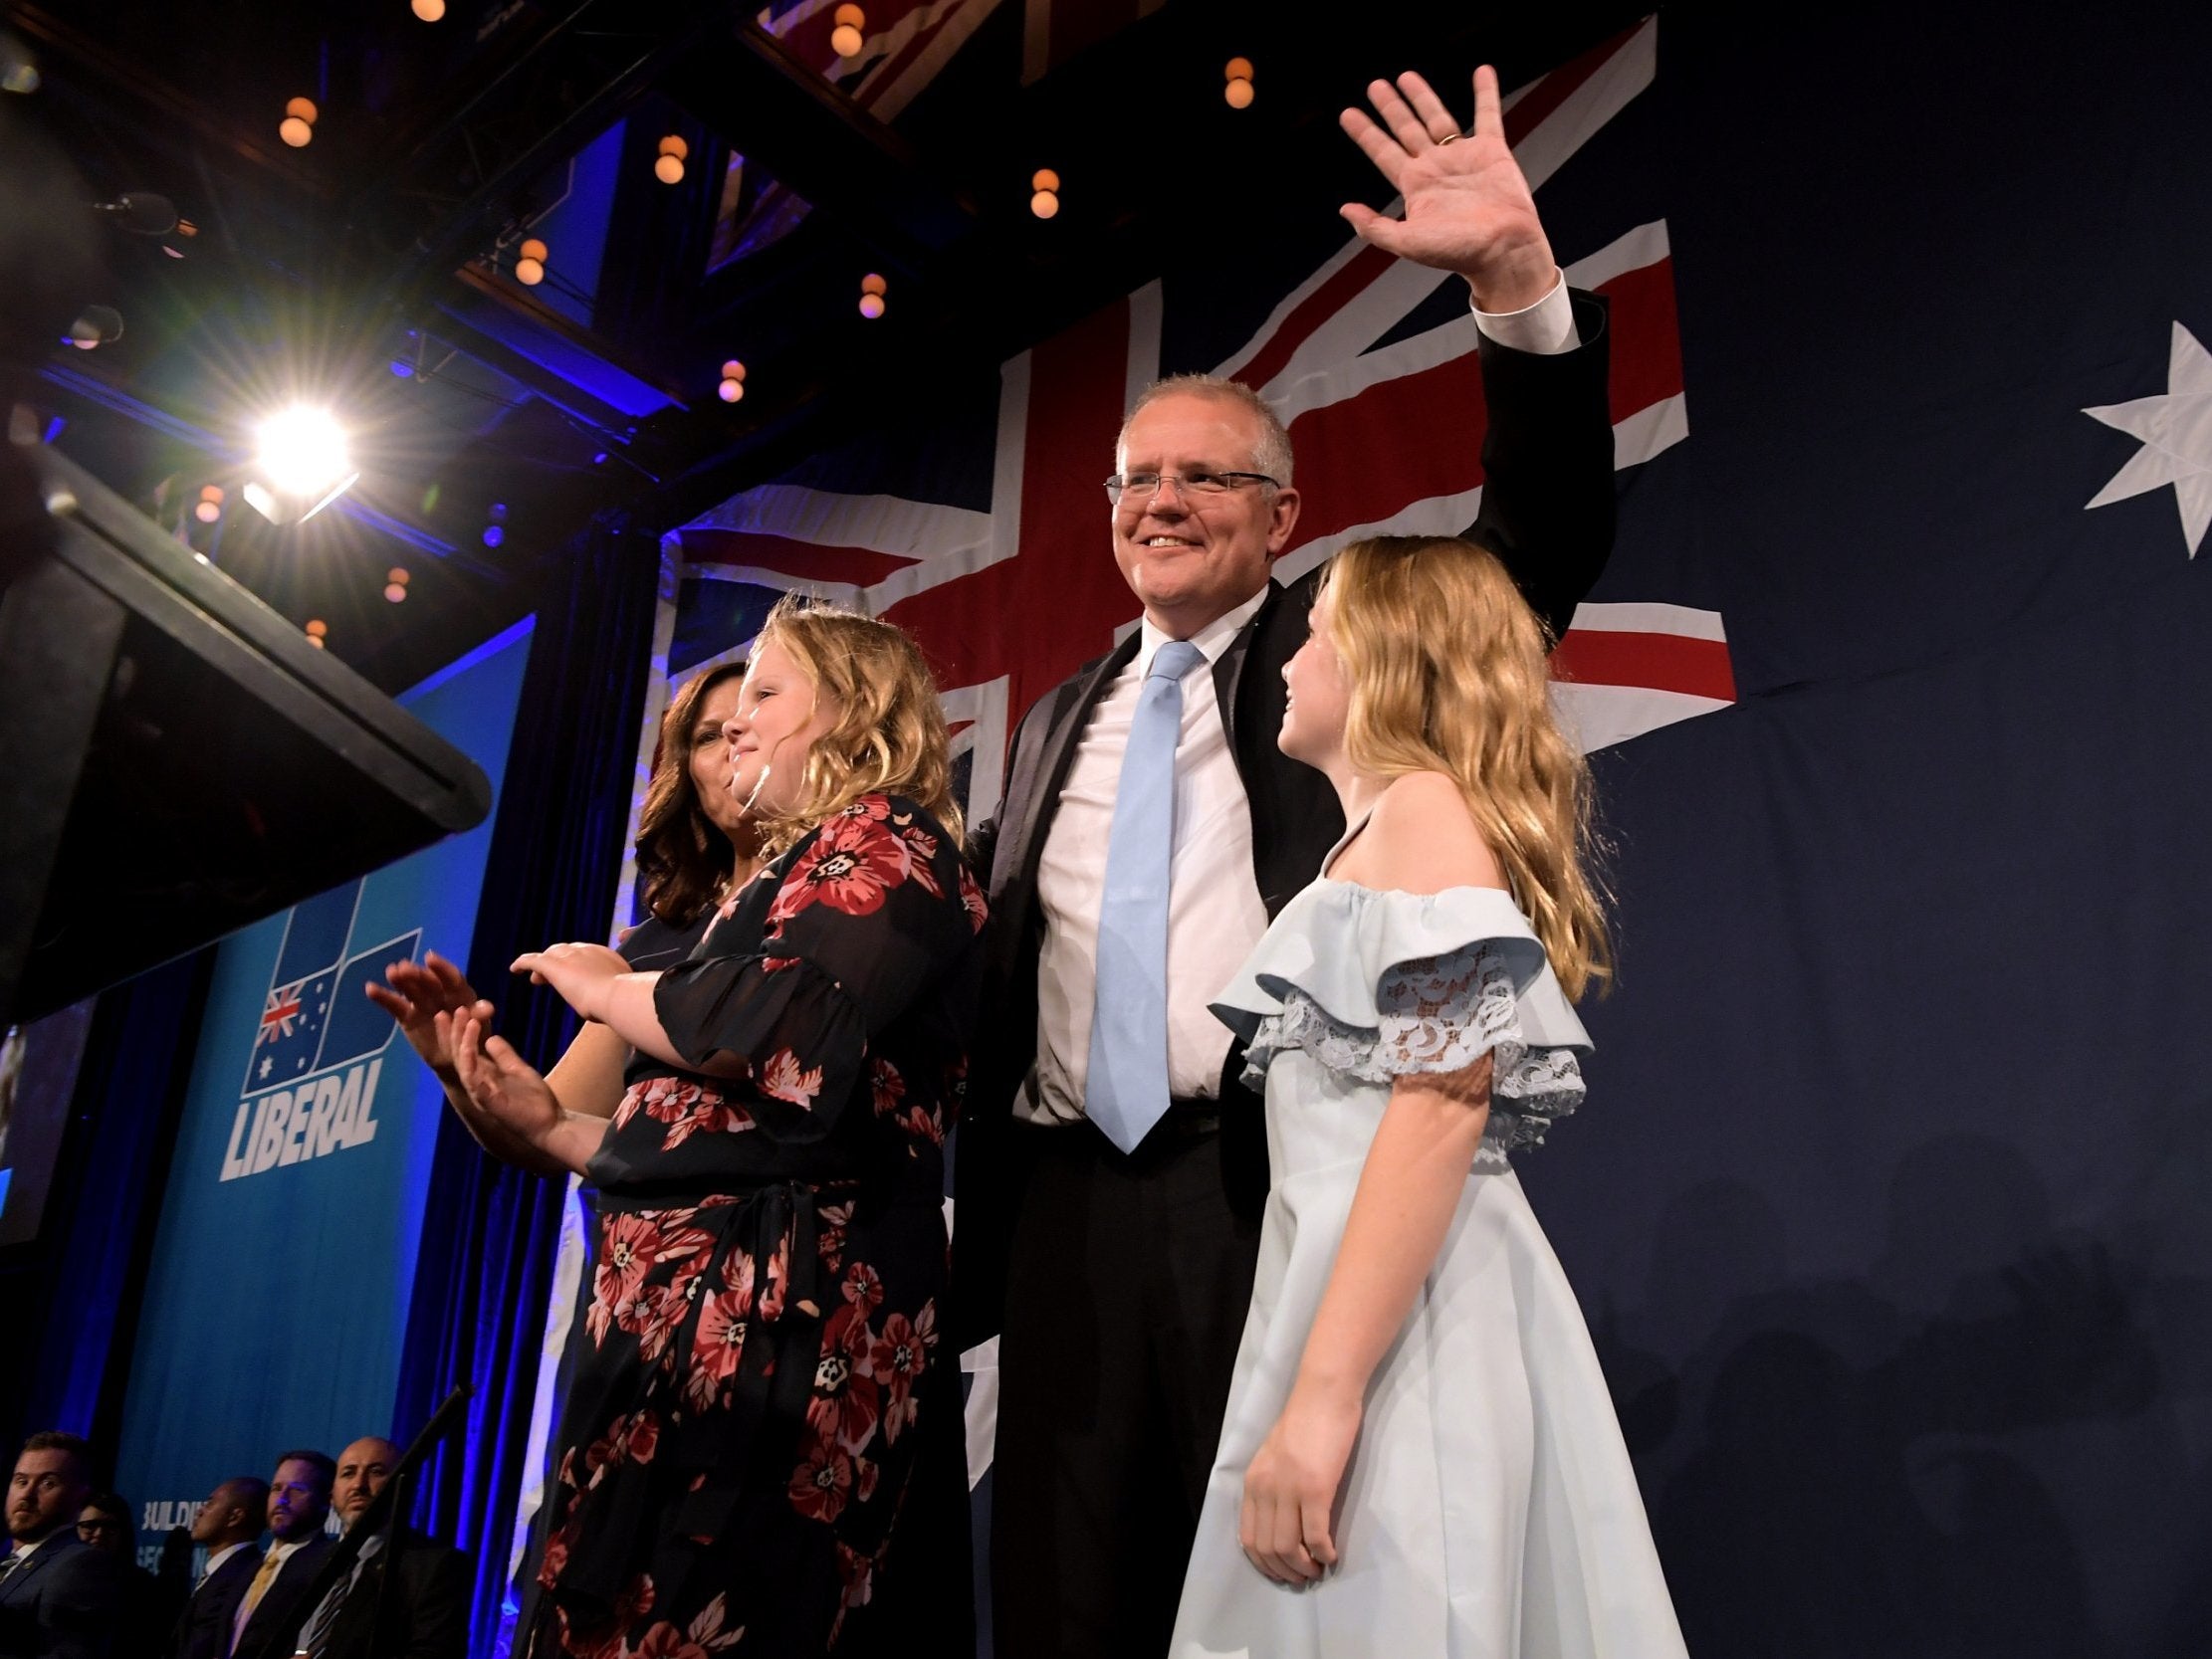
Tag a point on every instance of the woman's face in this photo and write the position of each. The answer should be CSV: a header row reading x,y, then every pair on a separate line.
x,y
777,719
708,755
1320,692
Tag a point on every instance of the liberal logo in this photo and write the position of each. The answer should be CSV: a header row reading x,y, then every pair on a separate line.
x,y
310,1033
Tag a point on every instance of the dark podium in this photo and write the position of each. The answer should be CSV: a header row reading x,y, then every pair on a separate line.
x,y
175,759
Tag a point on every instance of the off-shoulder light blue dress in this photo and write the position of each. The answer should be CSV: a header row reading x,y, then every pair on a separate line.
x,y
1490,1511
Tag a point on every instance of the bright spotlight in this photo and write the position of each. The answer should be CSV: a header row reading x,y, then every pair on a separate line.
x,y
301,466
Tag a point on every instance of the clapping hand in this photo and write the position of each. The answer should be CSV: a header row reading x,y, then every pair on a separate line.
x,y
579,973
499,1083
415,993
1468,207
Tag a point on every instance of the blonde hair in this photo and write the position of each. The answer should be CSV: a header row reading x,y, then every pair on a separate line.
x,y
1447,671
890,736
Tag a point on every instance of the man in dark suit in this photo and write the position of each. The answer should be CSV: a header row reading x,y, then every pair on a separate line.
x,y
1108,1202
59,1598
227,1528
407,1597
299,1504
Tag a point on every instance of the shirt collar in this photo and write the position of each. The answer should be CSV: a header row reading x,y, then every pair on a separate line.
x,y
1211,640
219,1557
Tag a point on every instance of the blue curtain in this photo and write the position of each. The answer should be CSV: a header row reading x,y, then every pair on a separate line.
x,y
490,1231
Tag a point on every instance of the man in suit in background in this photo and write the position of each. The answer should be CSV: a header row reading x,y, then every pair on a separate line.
x,y
299,1504
407,1597
59,1597
227,1528
1111,1164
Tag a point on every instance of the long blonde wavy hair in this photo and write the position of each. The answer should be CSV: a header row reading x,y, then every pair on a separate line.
x,y
1447,671
890,736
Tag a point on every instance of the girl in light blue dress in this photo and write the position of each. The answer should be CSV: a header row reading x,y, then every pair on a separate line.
x,y
1419,1455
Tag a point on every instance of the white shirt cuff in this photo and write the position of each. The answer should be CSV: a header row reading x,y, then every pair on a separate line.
x,y
1545,328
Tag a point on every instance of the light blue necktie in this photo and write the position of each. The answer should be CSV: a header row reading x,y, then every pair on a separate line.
x,y
1126,1090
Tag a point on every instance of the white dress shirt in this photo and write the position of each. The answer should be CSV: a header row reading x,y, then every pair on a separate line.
x,y
1215,912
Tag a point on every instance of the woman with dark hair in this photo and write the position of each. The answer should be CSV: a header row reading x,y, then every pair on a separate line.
x,y
694,847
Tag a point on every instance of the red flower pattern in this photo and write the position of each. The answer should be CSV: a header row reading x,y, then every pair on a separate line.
x,y
851,865
820,1484
786,1080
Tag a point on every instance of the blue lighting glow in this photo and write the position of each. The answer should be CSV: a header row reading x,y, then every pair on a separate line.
x,y
401,367
493,535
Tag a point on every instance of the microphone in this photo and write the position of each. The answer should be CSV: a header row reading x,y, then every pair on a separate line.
x,y
96,325
141,212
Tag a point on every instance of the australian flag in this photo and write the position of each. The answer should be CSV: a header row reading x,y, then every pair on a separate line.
x,y
307,1022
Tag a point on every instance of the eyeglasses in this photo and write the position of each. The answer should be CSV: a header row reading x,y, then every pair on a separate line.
x,y
1145,486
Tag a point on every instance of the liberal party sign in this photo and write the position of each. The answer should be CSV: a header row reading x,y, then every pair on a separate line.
x,y
277,1302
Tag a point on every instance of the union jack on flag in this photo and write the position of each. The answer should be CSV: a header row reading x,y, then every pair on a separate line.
x,y
984,537
277,1017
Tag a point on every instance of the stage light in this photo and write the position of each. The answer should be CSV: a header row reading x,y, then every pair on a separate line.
x,y
398,573
1044,204
732,370
730,390
315,630
1044,178
528,271
493,535
669,169
873,284
395,592
532,248
302,108
1238,92
206,512
303,465
295,131
674,145
872,290
429,9
19,73
847,39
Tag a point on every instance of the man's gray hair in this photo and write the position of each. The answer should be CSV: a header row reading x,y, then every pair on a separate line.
x,y
1272,455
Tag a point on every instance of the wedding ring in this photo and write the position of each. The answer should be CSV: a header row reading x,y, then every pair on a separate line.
x,y
1452,140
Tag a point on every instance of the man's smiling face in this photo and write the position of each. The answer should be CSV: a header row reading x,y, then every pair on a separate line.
x,y
1191,558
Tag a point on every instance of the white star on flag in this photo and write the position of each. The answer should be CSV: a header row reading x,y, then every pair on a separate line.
x,y
2176,432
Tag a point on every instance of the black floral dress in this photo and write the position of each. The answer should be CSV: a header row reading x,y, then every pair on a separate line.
x,y
761,1446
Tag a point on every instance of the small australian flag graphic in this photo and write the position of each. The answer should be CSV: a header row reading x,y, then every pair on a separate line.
x,y
301,989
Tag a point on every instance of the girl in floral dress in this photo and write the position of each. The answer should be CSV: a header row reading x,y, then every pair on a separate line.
x,y
761,1449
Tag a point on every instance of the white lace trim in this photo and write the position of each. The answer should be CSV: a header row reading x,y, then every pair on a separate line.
x,y
1436,1014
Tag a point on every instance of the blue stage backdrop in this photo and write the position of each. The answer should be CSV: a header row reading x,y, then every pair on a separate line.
x,y
277,1299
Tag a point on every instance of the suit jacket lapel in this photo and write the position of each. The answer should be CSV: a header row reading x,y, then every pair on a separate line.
x,y
1228,668
1055,755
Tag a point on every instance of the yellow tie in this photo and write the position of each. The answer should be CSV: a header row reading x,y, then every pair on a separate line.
x,y
264,1577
